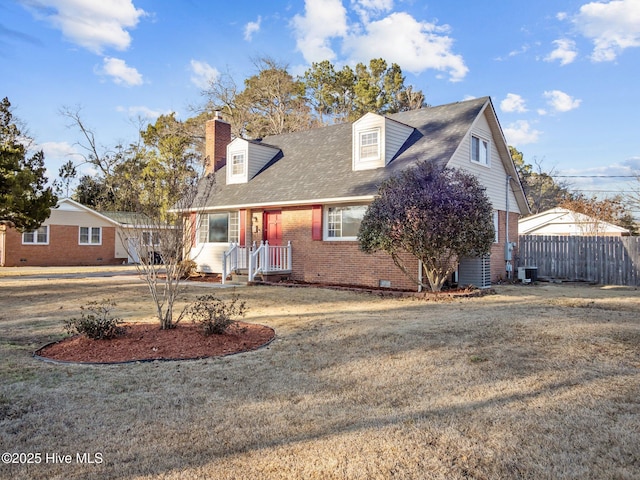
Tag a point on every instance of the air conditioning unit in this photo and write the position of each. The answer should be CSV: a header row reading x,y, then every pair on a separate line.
x,y
475,271
528,274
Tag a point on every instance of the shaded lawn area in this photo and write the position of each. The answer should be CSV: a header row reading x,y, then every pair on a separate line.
x,y
533,382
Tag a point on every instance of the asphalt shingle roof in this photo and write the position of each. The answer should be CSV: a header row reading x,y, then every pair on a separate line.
x,y
317,164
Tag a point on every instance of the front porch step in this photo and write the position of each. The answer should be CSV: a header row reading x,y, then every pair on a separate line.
x,y
239,278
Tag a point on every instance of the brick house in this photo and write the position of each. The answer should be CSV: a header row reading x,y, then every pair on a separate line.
x,y
303,194
72,235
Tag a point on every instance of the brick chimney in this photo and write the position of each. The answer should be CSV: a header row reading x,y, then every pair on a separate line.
x,y
217,137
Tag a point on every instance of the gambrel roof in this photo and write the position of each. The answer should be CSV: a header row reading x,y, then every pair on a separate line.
x,y
315,166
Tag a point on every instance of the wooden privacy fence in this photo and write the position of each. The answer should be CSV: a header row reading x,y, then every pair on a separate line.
x,y
602,260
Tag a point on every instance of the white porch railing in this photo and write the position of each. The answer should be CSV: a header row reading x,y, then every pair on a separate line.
x,y
264,258
269,259
234,259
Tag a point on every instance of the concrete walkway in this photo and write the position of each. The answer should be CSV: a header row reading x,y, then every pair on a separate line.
x,y
68,272
102,271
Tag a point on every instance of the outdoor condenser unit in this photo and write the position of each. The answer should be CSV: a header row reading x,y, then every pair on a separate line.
x,y
528,274
475,271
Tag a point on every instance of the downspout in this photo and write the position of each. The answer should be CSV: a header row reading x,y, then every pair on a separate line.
x,y
508,266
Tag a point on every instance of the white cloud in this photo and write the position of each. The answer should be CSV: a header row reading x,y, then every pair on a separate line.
x,y
322,21
203,74
565,51
398,37
60,151
521,133
513,103
94,25
121,73
612,26
415,46
142,111
371,8
251,28
560,101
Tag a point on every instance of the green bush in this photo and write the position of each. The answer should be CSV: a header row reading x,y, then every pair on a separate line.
x,y
96,321
214,315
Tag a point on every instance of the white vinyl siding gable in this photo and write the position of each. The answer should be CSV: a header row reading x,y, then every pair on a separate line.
x,y
254,158
494,179
369,154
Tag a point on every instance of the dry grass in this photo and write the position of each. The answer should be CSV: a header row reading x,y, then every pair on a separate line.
x,y
534,382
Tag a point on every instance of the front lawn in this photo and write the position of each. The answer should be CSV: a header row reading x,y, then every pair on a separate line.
x,y
533,382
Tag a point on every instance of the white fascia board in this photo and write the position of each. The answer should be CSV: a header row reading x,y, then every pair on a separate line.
x,y
292,203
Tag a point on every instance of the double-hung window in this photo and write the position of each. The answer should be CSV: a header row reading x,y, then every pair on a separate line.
x,y
151,239
369,144
36,237
90,236
480,150
219,227
238,164
343,222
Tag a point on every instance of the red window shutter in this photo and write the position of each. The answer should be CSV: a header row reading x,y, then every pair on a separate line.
x,y
316,222
194,226
243,226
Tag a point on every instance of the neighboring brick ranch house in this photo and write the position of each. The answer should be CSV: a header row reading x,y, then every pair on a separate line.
x,y
306,192
72,235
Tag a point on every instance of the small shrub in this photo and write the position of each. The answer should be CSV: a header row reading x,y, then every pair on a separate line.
x,y
214,315
96,321
187,268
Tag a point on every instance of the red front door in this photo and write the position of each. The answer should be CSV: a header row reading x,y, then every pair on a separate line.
x,y
273,227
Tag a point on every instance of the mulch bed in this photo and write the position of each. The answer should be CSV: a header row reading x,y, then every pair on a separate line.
x,y
146,342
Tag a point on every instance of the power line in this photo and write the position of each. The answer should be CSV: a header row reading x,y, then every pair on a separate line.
x,y
596,176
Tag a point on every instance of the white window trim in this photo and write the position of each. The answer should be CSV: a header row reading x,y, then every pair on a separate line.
x,y
90,236
204,227
370,158
496,226
238,153
35,236
325,224
480,139
151,235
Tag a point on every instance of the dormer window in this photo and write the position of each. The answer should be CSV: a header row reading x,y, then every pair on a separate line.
x,y
245,158
238,163
376,140
370,145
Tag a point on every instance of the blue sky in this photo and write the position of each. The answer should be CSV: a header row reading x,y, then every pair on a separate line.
x,y
563,74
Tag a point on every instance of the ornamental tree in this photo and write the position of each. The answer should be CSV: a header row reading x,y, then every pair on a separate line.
x,y
434,214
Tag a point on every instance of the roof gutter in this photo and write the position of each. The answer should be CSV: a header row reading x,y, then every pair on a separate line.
x,y
291,203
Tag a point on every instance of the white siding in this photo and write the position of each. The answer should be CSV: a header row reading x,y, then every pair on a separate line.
x,y
208,256
392,136
79,217
256,157
237,146
370,121
395,134
494,176
259,156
